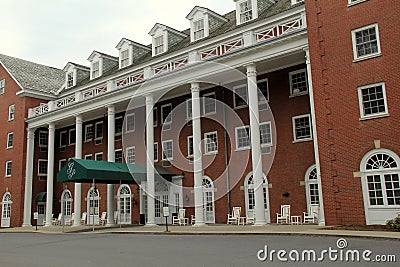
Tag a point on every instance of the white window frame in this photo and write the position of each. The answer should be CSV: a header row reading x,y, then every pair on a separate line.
x,y
66,137
295,138
155,117
98,154
128,149
60,162
205,96
125,59
2,86
11,112
354,43
361,104
122,126
236,137
355,2
8,168
95,69
189,155
159,48
164,157
270,130
95,131
206,138
69,137
239,13
128,129
189,109
89,155
122,155
45,133
235,105
10,139
38,170
293,94
70,79
155,151
162,115
88,126
199,33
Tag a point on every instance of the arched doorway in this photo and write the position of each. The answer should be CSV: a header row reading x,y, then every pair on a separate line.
x,y
6,210
161,199
380,174
311,183
66,203
208,200
124,205
250,199
93,199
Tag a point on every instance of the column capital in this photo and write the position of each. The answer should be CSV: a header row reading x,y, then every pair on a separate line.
x,y
307,55
251,69
110,110
78,118
195,87
149,99
52,126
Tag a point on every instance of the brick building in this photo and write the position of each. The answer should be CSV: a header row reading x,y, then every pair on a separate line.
x,y
321,118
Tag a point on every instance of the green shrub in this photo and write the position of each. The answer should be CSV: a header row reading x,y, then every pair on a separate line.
x,y
394,223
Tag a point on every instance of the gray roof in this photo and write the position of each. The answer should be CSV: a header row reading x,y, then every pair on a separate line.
x,y
34,76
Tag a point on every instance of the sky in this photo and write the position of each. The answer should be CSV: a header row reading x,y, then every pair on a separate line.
x,y
55,32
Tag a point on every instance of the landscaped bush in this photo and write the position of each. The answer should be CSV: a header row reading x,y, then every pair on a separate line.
x,y
394,223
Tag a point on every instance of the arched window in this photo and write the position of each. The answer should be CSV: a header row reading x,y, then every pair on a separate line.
x,y
66,201
6,210
311,182
208,200
93,199
380,178
124,205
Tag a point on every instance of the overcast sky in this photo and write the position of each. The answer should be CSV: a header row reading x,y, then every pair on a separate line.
x,y
53,32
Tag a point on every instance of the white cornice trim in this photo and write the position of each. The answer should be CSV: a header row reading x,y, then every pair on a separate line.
x,y
35,94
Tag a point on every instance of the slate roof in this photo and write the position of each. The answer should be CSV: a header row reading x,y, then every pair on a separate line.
x,y
34,76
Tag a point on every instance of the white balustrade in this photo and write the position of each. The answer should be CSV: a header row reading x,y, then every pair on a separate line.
x,y
90,93
132,79
222,49
280,29
170,66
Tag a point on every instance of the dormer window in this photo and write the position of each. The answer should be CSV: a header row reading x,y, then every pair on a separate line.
x,y
95,70
246,10
198,29
70,79
124,58
158,45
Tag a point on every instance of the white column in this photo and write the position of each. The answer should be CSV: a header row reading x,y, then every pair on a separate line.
x,y
321,213
150,161
197,155
255,144
78,186
110,158
30,146
50,174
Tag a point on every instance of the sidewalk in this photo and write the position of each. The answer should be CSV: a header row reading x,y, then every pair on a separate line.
x,y
218,229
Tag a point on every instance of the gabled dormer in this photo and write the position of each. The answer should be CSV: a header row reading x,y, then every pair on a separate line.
x,y
130,51
164,37
202,22
101,63
248,10
74,73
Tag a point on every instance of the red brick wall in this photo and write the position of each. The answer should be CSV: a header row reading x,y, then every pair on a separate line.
x,y
343,139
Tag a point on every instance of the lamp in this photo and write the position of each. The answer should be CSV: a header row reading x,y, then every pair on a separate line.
x,y
187,198
286,194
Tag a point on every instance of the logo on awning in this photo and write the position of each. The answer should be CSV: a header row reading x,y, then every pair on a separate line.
x,y
71,170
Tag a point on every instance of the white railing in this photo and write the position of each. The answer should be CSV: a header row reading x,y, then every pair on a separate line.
x,y
129,80
279,30
170,66
222,49
43,108
63,102
94,92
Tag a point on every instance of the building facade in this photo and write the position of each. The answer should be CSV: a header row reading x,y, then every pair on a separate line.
x,y
256,108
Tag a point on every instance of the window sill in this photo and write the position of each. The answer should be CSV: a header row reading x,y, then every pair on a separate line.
x,y
87,141
356,3
6,177
240,107
210,113
211,153
298,94
377,116
302,140
366,57
9,147
242,149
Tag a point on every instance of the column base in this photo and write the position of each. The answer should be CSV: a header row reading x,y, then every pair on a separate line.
x,y
110,224
199,224
48,225
321,223
150,225
77,224
260,223
26,225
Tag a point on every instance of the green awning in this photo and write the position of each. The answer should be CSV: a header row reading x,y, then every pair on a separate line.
x,y
84,171
41,197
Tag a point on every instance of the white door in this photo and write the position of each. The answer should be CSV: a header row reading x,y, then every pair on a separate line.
x,y
66,203
161,200
249,197
124,205
6,210
208,200
41,209
93,206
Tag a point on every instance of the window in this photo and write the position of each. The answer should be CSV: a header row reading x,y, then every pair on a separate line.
x,y
354,2
311,183
158,45
8,168
42,167
98,156
61,164
118,128
190,148
43,138
209,103
130,155
240,96
11,112
124,58
95,70
198,29
301,127
130,123
2,86
63,138
118,155
167,150
211,143
70,79
298,82
245,11
155,117
263,94
98,134
88,132
72,136
372,100
166,115
242,137
10,137
189,111
88,157
265,134
155,152
366,42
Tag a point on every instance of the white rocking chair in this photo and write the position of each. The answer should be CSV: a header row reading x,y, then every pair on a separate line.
x,y
284,216
312,215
